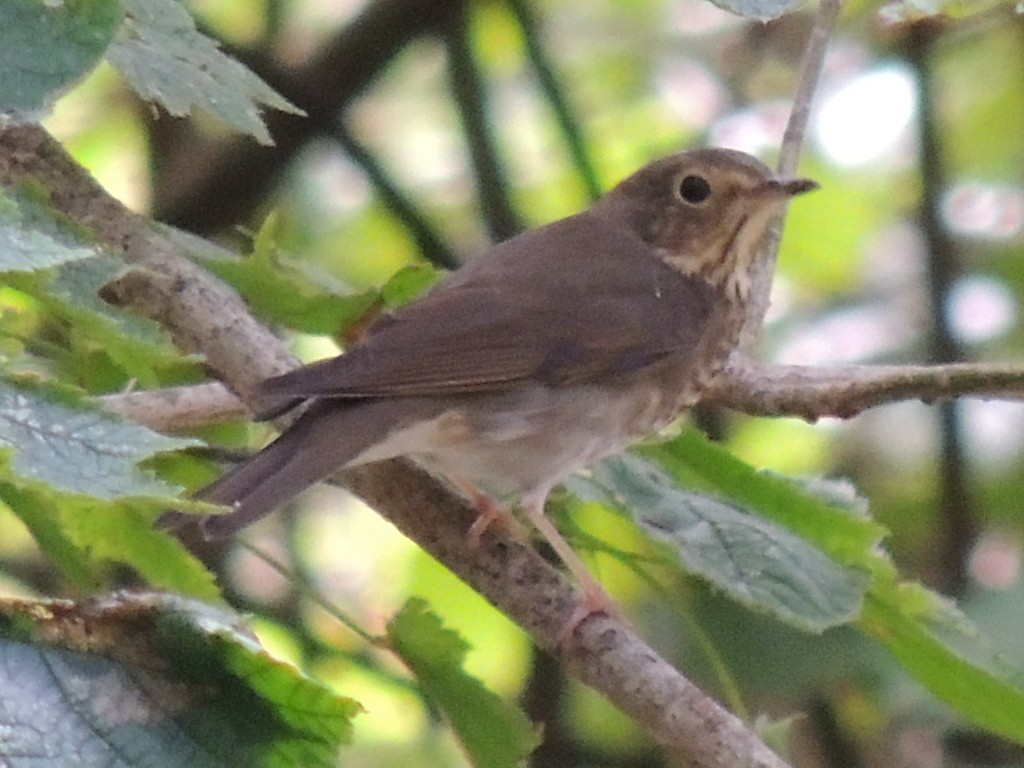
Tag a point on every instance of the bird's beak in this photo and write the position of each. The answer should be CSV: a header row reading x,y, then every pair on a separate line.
x,y
787,186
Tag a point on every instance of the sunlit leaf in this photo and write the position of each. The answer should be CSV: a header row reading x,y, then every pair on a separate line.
x,y
166,59
947,654
408,283
36,511
933,641
53,259
283,291
835,523
494,732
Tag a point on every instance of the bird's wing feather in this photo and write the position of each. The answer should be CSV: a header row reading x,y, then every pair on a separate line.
x,y
551,305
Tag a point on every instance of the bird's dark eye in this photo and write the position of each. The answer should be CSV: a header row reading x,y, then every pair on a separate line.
x,y
694,189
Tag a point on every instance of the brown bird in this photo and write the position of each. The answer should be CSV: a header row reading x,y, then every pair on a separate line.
x,y
542,355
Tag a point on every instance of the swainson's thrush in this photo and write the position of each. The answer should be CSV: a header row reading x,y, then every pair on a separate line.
x,y
542,355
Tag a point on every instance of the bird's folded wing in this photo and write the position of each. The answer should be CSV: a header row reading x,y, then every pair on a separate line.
x,y
599,304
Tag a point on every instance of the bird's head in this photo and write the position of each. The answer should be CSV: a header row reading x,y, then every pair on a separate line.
x,y
705,212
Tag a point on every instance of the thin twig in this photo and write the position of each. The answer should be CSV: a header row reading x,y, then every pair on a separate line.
x,y
177,409
807,392
807,83
792,142
811,392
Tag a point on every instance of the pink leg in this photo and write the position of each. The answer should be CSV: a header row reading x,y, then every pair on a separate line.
x,y
595,599
489,512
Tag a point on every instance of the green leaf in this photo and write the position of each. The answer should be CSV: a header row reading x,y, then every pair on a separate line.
x,y
151,679
53,259
944,651
83,536
31,236
79,449
166,59
753,560
840,529
287,292
409,283
123,533
494,733
36,511
933,641
45,47
762,10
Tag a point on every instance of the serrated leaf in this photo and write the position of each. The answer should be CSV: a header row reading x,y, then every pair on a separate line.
x,y
761,10
166,59
45,47
51,258
840,530
284,291
756,562
943,650
933,641
493,732
409,283
83,536
36,512
121,533
30,236
151,679
79,450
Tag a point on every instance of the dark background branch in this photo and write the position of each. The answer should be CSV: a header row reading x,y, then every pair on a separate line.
x,y
955,499
210,185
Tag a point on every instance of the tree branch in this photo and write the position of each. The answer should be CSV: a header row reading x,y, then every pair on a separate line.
x,y
470,97
552,90
813,393
177,409
757,389
792,142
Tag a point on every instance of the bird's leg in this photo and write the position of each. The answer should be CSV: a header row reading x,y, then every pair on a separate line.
x,y
595,599
489,512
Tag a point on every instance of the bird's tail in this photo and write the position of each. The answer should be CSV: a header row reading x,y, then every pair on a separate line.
x,y
327,437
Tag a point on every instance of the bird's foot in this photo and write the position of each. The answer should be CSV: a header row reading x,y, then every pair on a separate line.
x,y
489,512
595,601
